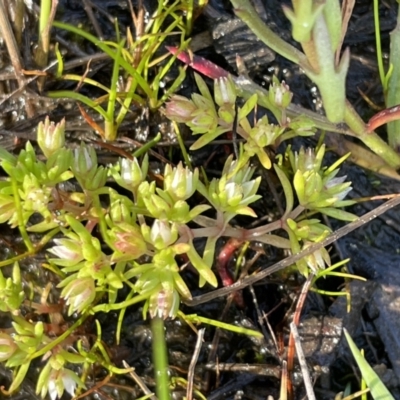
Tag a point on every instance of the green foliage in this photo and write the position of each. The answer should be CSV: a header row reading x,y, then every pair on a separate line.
x,y
147,230
318,28
136,71
11,293
376,386
107,242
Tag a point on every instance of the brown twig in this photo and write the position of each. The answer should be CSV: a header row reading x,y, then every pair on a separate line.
x,y
302,361
347,11
193,362
345,230
42,53
139,381
12,47
296,320
87,5
284,376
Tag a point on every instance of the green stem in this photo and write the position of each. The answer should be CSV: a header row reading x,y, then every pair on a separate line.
x,y
20,216
119,306
189,17
45,7
246,12
29,253
121,318
371,140
393,86
378,44
146,147
160,359
60,338
182,146
102,221
246,88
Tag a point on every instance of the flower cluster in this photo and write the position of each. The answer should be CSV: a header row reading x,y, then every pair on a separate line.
x,y
302,235
203,117
318,188
199,113
32,181
108,239
11,293
234,191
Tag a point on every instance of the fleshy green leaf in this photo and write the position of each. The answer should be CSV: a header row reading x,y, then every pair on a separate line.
x,y
203,87
18,378
208,138
287,188
299,185
203,269
247,107
376,386
338,214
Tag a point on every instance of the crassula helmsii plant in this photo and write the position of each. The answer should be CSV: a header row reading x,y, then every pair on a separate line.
x,y
101,245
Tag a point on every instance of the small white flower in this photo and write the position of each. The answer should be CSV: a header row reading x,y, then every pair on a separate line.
x,y
164,304
67,249
161,234
180,182
60,380
85,159
83,153
70,381
53,388
126,170
79,294
335,181
232,190
224,91
131,173
51,136
333,186
179,109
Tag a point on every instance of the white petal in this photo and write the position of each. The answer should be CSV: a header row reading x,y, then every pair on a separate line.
x,y
52,389
69,383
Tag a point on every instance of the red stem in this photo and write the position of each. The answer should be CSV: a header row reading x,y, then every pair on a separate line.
x,y
383,117
199,64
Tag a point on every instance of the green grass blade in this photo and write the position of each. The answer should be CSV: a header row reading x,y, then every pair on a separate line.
x,y
69,94
106,49
377,388
114,83
146,147
174,87
60,66
88,81
182,146
393,84
378,45
219,324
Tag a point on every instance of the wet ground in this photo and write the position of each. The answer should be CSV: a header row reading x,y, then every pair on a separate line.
x,y
232,366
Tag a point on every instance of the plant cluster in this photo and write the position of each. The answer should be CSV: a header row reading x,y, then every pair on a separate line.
x,y
136,59
149,228
135,235
319,29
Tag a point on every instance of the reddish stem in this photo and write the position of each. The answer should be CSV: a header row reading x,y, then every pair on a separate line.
x,y
199,64
383,117
222,267
296,320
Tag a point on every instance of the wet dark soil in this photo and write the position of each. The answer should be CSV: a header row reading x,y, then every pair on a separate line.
x,y
233,366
